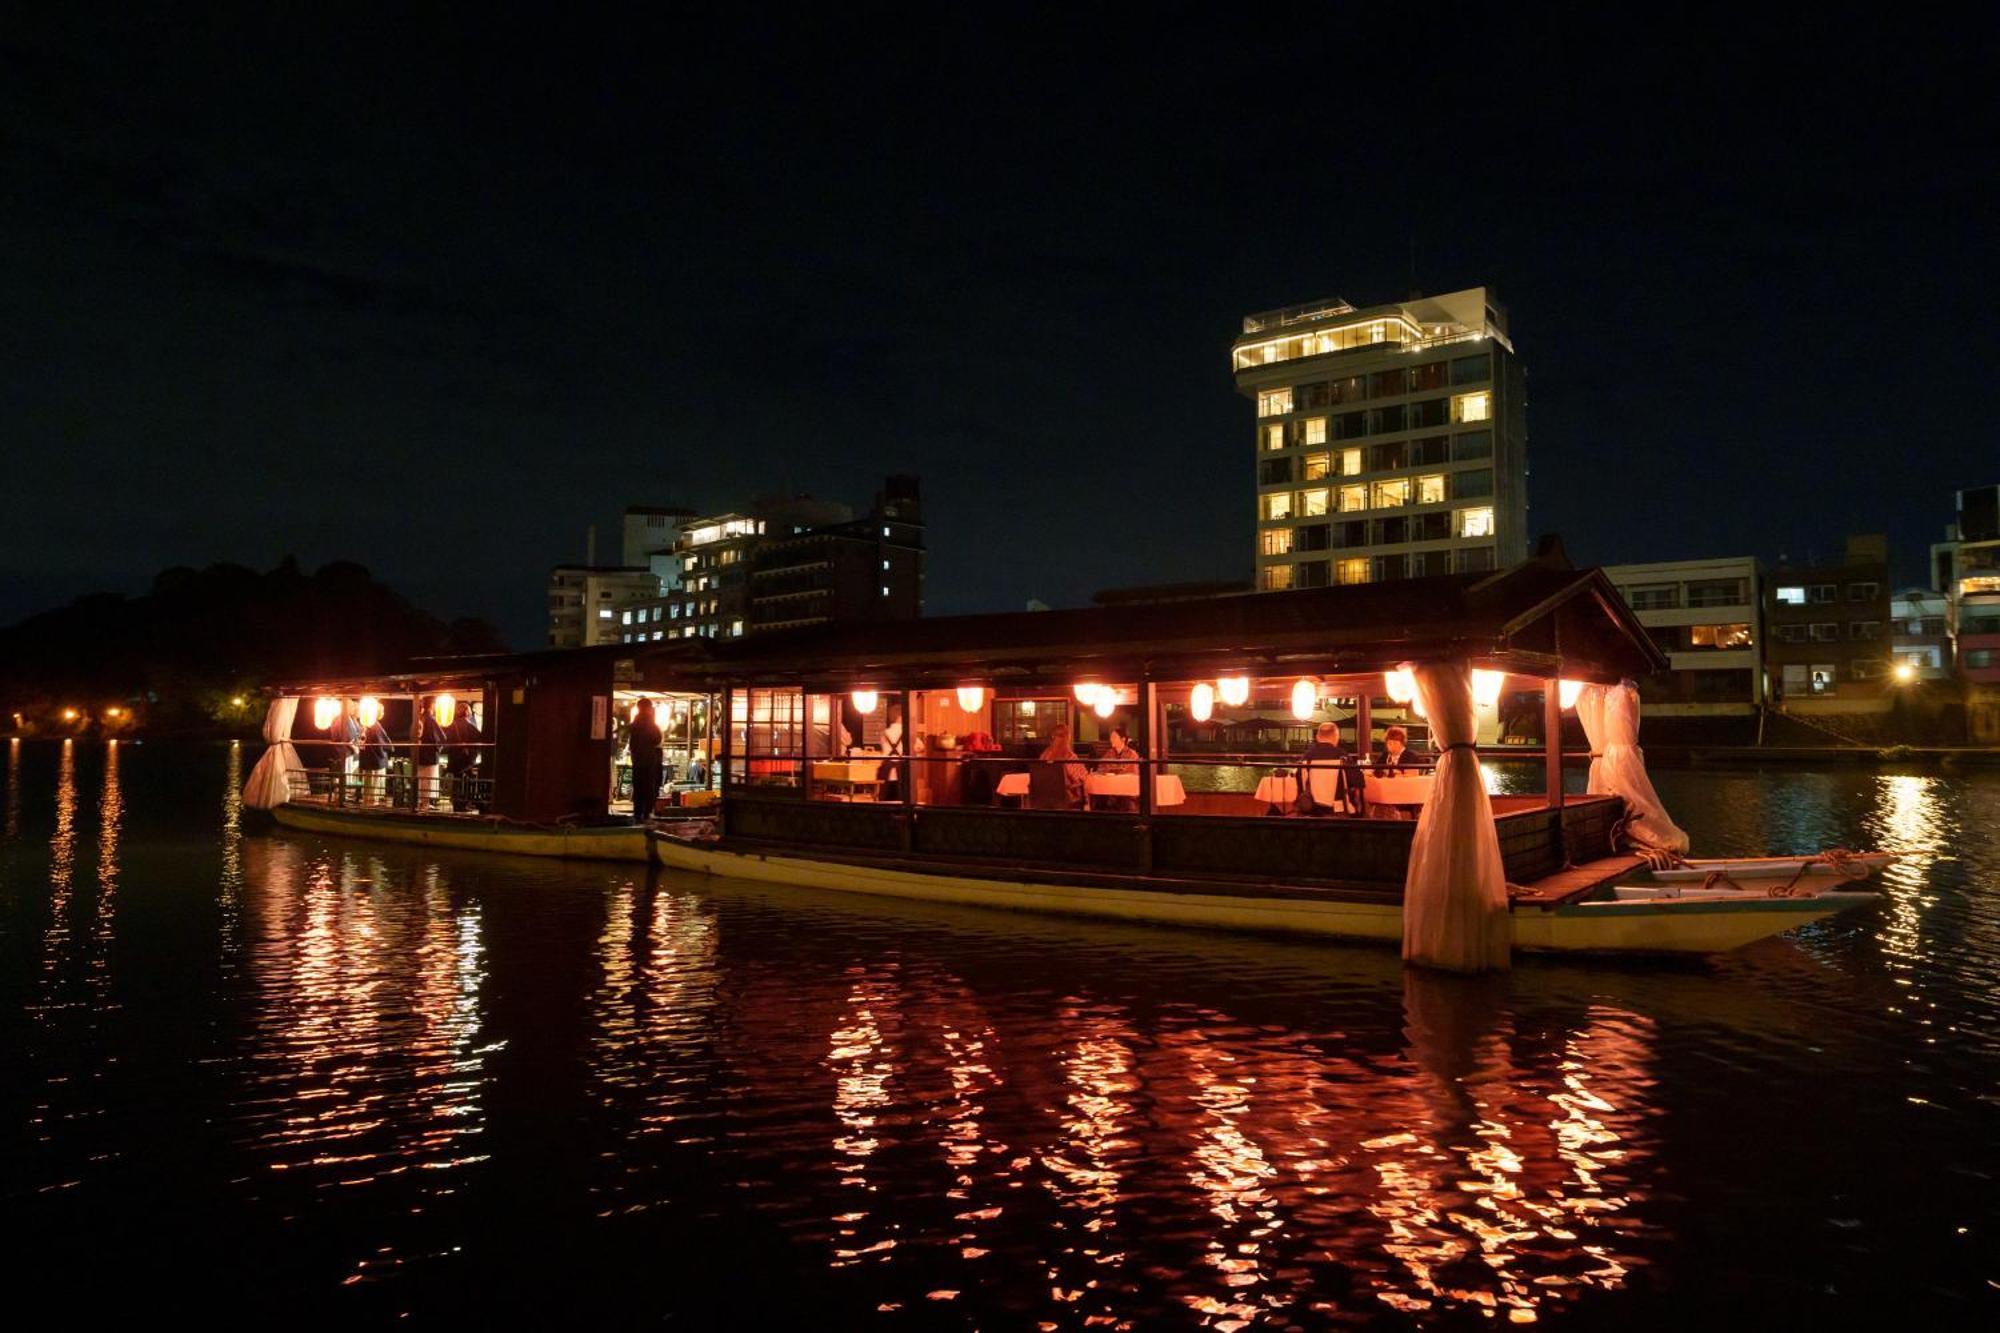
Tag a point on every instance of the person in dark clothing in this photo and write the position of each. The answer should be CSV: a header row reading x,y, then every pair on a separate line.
x,y
373,758
427,738
645,737
1329,779
461,759
1393,759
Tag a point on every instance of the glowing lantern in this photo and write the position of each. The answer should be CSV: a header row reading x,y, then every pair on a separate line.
x,y
1107,703
971,698
1417,707
1235,690
371,710
1486,687
325,712
864,700
1087,691
69,715
1201,702
1305,698
1401,684
444,708
1567,693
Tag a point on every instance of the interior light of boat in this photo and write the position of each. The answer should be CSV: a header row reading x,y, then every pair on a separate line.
x,y
1235,690
1305,698
1417,707
1201,702
325,711
1106,703
864,700
1087,691
971,698
1486,687
1401,684
1568,692
370,709
444,708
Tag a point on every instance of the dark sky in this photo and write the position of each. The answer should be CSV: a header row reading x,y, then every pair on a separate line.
x,y
436,293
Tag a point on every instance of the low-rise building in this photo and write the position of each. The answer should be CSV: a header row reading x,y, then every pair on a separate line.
x,y
1828,628
1921,635
1965,567
590,604
1706,616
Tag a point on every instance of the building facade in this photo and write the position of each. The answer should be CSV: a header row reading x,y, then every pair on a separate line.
x,y
1829,631
651,535
1391,441
783,563
1920,635
1966,569
1707,617
591,604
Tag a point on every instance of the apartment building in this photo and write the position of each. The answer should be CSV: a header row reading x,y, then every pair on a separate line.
x,y
1707,617
1920,636
1829,627
1390,440
1965,567
788,562
591,604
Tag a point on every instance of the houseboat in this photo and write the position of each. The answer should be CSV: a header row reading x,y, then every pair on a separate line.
x,y
1409,783
521,754
915,761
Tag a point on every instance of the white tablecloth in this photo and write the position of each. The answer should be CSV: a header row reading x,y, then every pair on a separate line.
x,y
1278,789
1167,788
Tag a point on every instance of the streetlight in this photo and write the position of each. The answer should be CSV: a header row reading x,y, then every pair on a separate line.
x,y
1905,672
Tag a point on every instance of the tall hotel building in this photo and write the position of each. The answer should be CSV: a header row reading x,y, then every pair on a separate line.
x,y
1391,441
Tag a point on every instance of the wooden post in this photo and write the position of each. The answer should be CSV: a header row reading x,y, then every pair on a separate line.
x,y
1142,723
728,752
1364,725
1552,721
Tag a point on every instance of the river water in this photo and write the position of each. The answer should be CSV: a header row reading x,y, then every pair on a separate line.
x,y
249,1073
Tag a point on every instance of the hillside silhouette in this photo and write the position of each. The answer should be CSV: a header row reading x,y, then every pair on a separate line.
x,y
200,638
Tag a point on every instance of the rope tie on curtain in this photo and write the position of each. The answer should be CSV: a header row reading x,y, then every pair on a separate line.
x,y
1460,745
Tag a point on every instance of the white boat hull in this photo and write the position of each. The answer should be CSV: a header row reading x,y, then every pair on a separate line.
x,y
1700,926
1769,867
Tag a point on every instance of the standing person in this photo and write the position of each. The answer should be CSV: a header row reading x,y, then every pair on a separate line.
x,y
461,759
645,738
349,729
373,758
427,739
890,772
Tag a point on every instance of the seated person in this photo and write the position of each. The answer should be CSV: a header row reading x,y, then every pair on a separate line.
x,y
1120,756
1328,777
1394,758
1058,752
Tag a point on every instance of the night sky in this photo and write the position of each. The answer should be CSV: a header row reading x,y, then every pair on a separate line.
x,y
435,294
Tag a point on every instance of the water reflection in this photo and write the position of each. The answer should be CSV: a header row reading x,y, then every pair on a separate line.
x,y
13,816
366,1064
428,1075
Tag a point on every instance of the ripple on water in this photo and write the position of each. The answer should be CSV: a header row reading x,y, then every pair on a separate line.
x,y
441,1081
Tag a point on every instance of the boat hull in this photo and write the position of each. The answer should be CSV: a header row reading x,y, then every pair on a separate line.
x,y
553,841
1614,927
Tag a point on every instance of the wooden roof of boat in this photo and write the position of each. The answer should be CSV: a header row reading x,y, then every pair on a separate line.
x,y
1541,618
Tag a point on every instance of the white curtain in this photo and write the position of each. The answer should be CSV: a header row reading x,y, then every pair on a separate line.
x,y
270,780
1610,715
1590,712
1455,896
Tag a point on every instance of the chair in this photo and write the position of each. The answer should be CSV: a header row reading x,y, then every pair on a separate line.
x,y
1048,786
1329,785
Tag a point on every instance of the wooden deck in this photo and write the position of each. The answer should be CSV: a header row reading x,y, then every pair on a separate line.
x,y
1573,882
